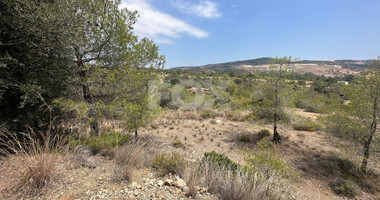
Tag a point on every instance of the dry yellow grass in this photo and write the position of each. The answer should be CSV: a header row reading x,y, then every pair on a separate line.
x,y
30,163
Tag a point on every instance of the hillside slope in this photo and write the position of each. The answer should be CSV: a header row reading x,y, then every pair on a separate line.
x,y
318,67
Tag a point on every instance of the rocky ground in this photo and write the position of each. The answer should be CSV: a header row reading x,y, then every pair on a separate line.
x,y
86,176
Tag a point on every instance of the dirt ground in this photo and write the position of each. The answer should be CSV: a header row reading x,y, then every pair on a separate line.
x,y
302,150
92,178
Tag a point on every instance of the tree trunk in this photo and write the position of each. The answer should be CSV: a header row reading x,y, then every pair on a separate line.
x,y
88,99
276,134
367,144
363,167
93,121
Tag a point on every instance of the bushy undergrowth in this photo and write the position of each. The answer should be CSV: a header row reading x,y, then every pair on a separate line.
x,y
29,163
166,163
220,160
178,144
334,165
266,113
311,101
264,161
229,181
244,138
208,114
263,133
347,180
106,141
344,187
305,125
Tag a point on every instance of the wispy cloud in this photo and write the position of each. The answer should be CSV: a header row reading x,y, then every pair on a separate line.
x,y
203,8
159,26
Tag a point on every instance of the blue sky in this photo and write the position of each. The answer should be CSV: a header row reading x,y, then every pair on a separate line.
x,y
198,32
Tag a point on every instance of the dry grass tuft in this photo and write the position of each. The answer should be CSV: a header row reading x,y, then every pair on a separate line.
x,y
27,174
30,162
130,157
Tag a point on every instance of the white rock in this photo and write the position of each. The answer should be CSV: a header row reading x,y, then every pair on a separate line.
x,y
136,185
160,183
181,183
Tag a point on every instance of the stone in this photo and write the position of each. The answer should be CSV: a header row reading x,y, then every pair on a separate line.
x,y
168,182
180,183
136,185
160,183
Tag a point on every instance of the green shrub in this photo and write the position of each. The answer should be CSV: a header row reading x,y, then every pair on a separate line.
x,y
106,141
244,138
250,117
313,101
340,167
266,162
234,116
178,144
220,160
208,114
154,126
166,163
263,133
267,113
306,125
344,187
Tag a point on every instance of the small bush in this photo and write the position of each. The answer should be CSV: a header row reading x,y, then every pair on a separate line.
x,y
345,188
312,101
178,144
263,133
220,160
106,141
154,126
208,114
244,138
266,114
166,163
306,125
369,182
340,167
234,116
266,162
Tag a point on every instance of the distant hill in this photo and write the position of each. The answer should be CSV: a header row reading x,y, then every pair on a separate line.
x,y
318,67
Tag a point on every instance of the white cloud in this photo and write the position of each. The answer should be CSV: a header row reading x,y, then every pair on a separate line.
x,y
204,8
159,26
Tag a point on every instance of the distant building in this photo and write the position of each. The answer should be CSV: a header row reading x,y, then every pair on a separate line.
x,y
343,82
